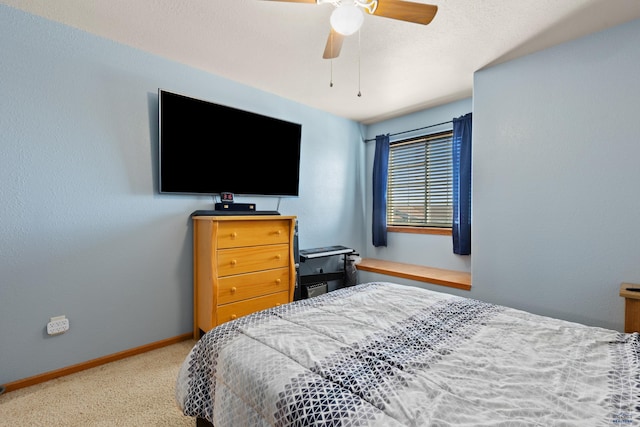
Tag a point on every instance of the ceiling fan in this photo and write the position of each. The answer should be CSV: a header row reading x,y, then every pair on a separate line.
x,y
347,17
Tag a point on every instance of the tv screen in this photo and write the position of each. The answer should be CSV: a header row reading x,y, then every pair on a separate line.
x,y
208,148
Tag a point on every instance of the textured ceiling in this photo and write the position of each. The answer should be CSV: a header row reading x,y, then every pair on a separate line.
x,y
277,47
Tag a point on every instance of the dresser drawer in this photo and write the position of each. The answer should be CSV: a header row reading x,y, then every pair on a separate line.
x,y
255,258
243,286
233,234
232,311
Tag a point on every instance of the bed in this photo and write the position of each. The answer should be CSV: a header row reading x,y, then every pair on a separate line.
x,y
384,354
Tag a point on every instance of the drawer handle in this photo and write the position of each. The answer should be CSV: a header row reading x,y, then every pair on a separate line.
x,y
234,262
233,290
279,232
278,281
234,235
233,316
278,256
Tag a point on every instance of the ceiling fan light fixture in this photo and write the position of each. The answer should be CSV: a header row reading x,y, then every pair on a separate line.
x,y
347,19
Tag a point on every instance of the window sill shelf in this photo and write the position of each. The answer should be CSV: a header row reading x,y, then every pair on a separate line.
x,y
420,230
451,278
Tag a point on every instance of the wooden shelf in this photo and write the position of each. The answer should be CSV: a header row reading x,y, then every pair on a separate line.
x,y
452,278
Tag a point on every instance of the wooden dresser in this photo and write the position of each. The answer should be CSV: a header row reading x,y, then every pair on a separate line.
x,y
242,264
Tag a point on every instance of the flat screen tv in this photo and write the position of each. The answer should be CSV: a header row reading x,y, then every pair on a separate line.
x,y
208,148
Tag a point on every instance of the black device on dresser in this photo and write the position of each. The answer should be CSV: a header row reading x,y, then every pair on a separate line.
x,y
235,207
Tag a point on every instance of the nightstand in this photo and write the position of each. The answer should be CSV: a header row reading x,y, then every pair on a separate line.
x,y
631,307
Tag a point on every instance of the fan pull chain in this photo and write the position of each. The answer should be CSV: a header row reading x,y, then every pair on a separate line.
x,y
359,56
331,74
331,67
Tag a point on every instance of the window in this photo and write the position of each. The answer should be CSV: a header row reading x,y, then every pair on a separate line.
x,y
420,182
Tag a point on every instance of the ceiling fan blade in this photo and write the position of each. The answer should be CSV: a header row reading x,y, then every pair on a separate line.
x,y
334,44
406,11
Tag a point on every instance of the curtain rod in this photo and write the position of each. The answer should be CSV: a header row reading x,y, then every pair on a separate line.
x,y
412,130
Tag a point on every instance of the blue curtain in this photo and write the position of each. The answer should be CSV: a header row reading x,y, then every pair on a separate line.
x,y
462,185
380,169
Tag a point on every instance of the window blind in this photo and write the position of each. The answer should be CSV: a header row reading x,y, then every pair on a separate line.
x,y
420,182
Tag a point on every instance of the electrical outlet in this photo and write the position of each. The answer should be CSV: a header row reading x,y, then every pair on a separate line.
x,y
57,325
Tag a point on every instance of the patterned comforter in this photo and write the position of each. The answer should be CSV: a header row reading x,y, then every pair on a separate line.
x,y
382,354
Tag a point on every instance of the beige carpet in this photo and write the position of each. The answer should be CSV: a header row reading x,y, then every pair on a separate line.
x,y
137,391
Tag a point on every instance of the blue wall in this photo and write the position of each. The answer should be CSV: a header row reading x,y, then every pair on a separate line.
x,y
83,231
556,195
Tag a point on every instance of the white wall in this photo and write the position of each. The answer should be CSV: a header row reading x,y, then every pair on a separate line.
x,y
556,200
83,231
